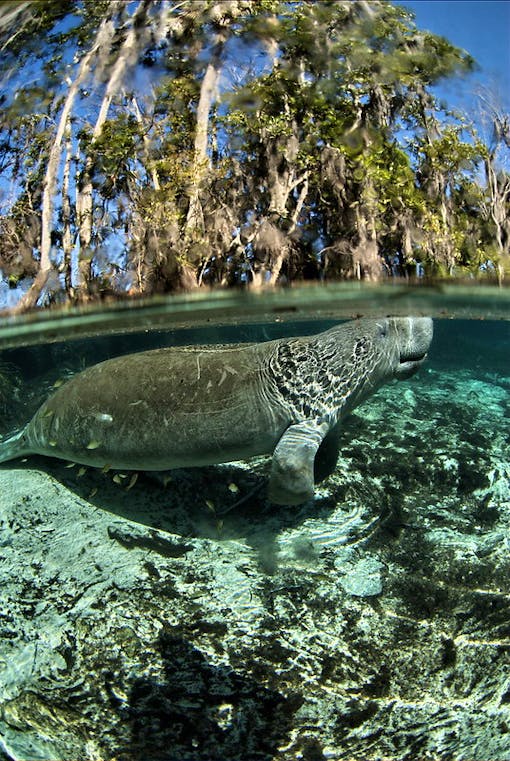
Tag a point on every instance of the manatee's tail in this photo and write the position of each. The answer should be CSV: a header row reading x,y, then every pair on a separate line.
x,y
13,447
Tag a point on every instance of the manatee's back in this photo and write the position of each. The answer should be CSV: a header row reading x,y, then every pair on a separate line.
x,y
160,409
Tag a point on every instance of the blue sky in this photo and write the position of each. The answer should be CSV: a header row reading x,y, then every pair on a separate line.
x,y
482,27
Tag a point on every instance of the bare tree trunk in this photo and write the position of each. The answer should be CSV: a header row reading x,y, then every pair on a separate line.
x,y
496,210
147,145
282,176
141,231
283,254
84,201
282,182
366,260
195,217
67,238
30,298
405,224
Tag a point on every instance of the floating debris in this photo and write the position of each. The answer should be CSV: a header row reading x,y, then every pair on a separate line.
x,y
132,481
234,488
93,444
103,417
106,468
70,465
81,472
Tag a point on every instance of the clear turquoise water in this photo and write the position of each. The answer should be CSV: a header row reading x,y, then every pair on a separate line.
x,y
183,617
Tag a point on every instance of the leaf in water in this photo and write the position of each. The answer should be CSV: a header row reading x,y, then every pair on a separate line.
x,y
132,481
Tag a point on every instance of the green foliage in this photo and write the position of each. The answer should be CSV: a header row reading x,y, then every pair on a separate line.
x,y
174,104
112,154
449,153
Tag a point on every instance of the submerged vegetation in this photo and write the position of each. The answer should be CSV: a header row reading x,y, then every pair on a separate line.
x,y
9,384
151,146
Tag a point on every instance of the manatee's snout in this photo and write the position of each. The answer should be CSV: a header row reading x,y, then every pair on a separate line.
x,y
414,339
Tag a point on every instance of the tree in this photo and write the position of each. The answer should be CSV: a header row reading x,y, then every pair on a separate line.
x,y
496,206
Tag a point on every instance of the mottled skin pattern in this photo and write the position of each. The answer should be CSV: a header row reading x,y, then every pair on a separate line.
x,y
192,406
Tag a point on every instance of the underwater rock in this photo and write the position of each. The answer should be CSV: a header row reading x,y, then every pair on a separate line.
x,y
153,540
372,624
363,578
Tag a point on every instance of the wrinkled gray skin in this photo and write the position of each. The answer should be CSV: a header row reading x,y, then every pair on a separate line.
x,y
192,406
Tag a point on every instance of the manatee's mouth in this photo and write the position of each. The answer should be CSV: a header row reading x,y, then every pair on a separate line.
x,y
414,335
409,363
413,357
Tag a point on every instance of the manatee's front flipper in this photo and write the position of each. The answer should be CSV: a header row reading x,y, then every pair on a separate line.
x,y
327,455
292,477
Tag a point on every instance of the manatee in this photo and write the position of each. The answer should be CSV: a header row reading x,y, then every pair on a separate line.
x,y
202,405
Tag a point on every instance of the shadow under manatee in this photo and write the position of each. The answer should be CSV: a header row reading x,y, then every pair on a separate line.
x,y
202,712
218,502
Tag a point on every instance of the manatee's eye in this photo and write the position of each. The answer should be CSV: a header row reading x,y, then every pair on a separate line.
x,y
382,328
